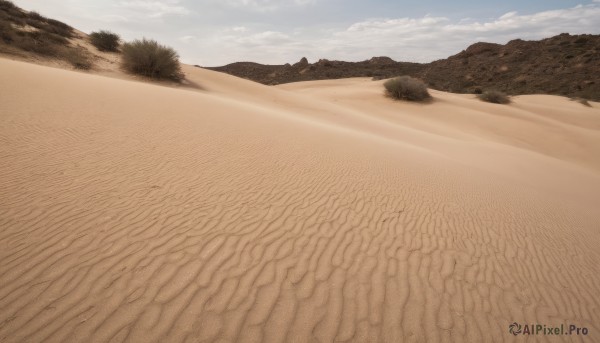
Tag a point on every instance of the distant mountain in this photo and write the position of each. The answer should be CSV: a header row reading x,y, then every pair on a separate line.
x,y
566,65
563,65
377,67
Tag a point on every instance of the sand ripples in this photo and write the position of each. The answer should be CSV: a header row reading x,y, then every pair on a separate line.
x,y
201,221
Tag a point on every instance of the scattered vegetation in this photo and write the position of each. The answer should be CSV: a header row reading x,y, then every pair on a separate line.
x,y
42,23
105,40
407,88
31,32
149,58
494,96
40,42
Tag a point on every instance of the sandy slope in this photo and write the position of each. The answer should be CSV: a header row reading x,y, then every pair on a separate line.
x,y
309,212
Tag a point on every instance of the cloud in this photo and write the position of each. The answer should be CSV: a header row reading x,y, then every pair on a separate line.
x,y
155,9
188,39
239,29
266,5
429,38
113,18
235,37
394,26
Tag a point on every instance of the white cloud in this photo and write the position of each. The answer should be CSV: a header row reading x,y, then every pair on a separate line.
x,y
255,40
188,39
266,5
155,9
239,29
113,18
394,26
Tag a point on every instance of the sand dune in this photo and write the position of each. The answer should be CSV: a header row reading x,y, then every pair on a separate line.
x,y
310,212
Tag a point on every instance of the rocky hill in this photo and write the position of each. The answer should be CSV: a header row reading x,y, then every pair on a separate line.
x,y
563,65
378,67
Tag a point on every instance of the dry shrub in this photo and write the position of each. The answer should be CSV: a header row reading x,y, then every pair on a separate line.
x,y
149,58
105,40
78,58
36,16
407,88
494,96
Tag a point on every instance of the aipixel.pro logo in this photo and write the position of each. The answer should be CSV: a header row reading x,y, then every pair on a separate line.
x,y
546,330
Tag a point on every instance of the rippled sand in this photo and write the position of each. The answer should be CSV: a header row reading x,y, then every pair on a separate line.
x,y
309,212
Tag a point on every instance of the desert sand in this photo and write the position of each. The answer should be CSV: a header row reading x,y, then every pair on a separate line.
x,y
321,211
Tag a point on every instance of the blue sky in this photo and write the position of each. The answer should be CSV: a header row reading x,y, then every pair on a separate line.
x,y
216,32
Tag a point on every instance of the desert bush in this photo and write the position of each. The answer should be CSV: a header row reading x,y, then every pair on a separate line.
x,y
36,16
78,59
407,88
105,40
494,96
151,59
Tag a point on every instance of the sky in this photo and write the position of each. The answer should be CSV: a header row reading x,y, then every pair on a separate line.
x,y
218,32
